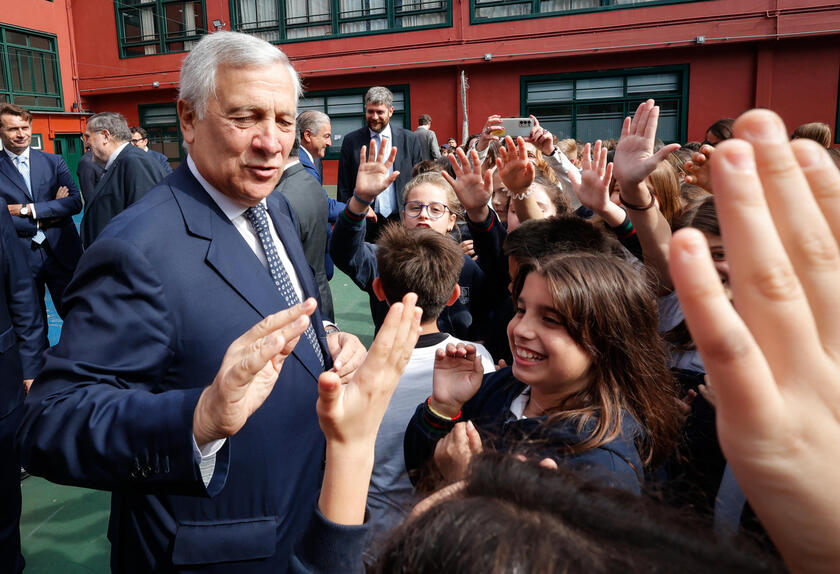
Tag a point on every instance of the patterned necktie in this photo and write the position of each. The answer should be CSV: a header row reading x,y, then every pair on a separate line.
x,y
259,219
23,168
384,204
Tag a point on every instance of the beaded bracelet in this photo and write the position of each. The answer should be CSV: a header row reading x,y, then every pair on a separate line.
x,y
439,415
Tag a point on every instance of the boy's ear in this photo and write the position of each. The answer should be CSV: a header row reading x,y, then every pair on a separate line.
x,y
456,292
378,290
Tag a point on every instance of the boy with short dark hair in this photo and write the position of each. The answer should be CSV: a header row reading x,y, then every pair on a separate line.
x,y
427,263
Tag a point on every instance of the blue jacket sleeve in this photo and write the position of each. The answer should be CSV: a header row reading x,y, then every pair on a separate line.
x,y
351,254
22,297
103,413
66,206
327,548
335,208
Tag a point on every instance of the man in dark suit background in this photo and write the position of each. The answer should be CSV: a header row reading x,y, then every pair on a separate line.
x,y
22,345
429,148
185,378
379,107
89,171
129,172
140,139
42,197
309,203
315,135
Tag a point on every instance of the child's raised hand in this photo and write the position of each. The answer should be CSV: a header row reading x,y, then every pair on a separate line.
x,y
454,452
593,191
634,157
473,188
775,362
457,377
697,168
351,412
516,171
373,177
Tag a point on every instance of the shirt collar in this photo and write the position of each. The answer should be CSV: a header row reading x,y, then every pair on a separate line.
x,y
385,132
309,155
423,127
13,156
230,207
112,158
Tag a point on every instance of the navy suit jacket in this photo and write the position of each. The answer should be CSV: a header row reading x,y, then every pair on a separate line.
x,y
154,305
408,154
21,323
47,172
129,178
310,167
162,160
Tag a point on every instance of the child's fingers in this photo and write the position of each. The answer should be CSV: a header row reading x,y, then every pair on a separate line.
x,y
797,213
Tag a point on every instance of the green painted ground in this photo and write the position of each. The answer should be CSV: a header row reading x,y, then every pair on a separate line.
x,y
63,528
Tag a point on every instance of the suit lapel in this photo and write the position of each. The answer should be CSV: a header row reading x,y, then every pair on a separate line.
x,y
103,181
8,169
39,176
287,233
229,255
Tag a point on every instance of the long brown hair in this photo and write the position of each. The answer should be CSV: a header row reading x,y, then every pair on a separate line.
x,y
610,311
665,185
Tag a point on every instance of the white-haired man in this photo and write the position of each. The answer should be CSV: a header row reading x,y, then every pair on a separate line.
x,y
154,392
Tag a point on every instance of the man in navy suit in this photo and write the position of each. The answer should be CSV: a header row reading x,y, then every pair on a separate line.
x,y
378,111
140,139
181,315
129,172
315,136
42,197
22,345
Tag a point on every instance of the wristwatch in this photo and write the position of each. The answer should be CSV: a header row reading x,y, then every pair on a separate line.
x,y
24,211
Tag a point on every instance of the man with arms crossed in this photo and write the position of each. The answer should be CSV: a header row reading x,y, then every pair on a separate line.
x,y
42,199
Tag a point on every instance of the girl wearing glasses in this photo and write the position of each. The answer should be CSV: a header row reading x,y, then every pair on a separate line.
x,y
431,203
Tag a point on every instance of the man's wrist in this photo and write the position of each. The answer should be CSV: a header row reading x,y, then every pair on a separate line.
x,y
202,434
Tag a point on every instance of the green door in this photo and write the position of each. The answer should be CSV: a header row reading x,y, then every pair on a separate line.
x,y
71,148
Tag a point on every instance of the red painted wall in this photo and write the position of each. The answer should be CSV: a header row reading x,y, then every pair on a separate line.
x,y
794,70
52,18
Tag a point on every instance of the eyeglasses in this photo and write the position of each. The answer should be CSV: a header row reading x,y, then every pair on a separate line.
x,y
435,210
136,141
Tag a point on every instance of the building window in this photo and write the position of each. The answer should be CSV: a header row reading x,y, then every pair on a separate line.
x,y
592,106
161,123
347,112
487,10
29,71
289,20
149,27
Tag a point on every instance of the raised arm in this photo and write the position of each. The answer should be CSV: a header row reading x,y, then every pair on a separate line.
x,y
593,189
634,161
774,361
